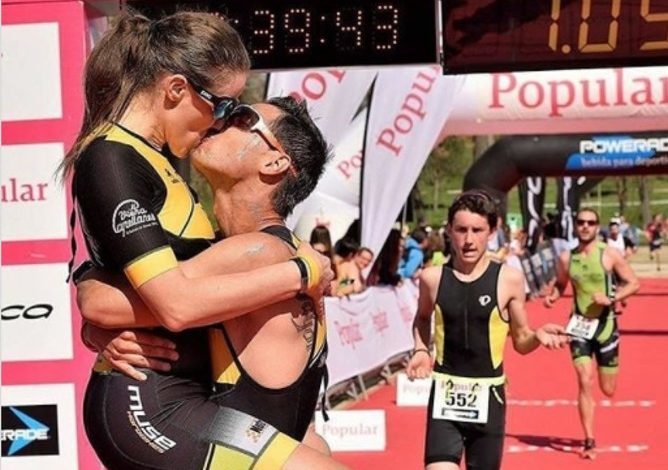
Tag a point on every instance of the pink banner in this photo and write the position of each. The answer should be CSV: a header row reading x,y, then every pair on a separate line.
x,y
45,366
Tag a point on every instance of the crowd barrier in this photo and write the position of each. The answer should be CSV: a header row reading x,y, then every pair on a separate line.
x,y
367,331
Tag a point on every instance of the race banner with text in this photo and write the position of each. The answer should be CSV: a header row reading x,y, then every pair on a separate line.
x,y
408,109
333,96
367,329
563,101
335,201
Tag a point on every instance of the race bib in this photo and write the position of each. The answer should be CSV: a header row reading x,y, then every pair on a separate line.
x,y
461,398
581,326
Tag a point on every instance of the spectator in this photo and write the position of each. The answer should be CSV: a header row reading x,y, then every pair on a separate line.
x,y
654,234
413,255
385,269
519,243
348,280
435,253
616,240
363,259
321,240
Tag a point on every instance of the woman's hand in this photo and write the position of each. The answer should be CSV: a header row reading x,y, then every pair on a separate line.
x,y
127,349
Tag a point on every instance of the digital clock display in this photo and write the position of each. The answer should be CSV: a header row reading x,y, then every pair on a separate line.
x,y
324,33
510,35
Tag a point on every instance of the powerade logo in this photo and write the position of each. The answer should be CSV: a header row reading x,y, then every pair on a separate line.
x,y
618,153
29,430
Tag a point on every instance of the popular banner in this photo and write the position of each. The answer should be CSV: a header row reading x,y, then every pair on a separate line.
x,y
333,96
408,109
565,101
367,329
335,201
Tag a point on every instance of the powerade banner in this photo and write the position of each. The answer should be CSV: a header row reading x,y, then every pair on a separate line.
x,y
513,158
618,153
29,430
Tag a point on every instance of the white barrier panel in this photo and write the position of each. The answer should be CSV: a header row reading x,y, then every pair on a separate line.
x,y
367,329
36,313
31,82
353,430
38,427
415,393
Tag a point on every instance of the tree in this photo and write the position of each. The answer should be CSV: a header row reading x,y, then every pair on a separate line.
x,y
444,169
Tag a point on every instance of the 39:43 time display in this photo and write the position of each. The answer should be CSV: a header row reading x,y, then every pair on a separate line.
x,y
325,33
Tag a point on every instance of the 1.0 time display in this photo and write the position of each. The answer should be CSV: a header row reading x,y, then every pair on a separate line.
x,y
505,35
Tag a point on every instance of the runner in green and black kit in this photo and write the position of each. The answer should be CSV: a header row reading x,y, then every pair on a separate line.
x,y
594,269
476,302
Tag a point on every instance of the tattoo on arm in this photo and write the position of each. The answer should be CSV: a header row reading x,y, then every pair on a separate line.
x,y
307,325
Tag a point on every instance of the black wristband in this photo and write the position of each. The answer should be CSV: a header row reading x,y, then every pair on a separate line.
x,y
303,271
415,351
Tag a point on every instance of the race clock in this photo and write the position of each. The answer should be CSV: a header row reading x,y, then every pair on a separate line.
x,y
511,35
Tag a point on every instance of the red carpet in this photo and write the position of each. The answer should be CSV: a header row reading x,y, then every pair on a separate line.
x,y
543,428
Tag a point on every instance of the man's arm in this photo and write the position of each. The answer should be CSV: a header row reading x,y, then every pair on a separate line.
x,y
110,302
629,283
419,365
525,340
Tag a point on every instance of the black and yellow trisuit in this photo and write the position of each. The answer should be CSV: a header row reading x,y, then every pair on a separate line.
x,y
139,217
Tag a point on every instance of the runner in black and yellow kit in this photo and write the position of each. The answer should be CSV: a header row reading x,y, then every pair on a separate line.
x,y
476,302
260,365
146,96
593,324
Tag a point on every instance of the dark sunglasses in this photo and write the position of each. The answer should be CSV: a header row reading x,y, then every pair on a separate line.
x,y
247,119
222,105
590,223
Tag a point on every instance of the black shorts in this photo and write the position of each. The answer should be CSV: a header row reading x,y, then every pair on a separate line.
x,y
604,345
483,443
167,422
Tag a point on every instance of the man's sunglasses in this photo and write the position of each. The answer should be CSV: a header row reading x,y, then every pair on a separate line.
x,y
247,119
590,223
222,105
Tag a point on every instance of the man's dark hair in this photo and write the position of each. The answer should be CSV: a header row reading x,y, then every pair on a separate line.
x,y
346,247
305,145
476,201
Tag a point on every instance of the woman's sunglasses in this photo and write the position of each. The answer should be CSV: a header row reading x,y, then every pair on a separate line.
x,y
222,105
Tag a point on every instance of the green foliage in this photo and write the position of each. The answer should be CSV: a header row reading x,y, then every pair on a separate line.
x,y
442,177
